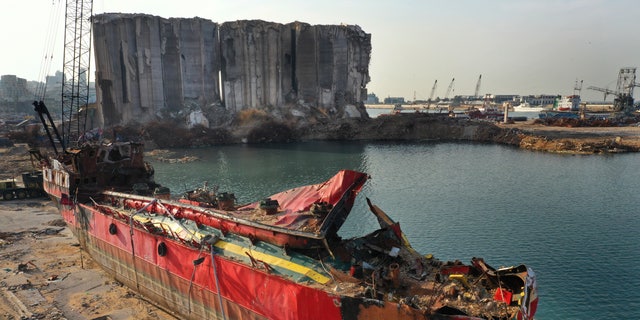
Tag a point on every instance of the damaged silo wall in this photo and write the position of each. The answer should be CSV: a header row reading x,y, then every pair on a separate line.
x,y
332,64
148,67
251,68
151,68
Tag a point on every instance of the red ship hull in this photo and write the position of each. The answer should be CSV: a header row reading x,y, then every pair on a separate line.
x,y
189,291
253,270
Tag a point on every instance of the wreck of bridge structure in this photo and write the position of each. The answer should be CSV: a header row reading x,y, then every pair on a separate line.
x,y
151,68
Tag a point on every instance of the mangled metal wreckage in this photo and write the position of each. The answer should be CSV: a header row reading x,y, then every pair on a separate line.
x,y
277,258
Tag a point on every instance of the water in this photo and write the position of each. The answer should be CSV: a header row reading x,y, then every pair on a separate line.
x,y
573,219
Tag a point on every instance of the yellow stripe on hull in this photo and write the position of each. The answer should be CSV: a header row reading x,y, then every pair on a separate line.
x,y
274,261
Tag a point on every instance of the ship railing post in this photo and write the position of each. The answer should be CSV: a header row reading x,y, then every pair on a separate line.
x,y
133,250
211,241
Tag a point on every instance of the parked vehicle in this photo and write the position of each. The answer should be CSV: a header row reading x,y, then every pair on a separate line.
x,y
31,187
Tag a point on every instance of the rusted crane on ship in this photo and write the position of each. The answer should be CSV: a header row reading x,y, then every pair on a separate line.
x,y
623,101
75,82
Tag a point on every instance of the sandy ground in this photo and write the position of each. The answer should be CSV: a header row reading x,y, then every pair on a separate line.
x,y
45,275
631,132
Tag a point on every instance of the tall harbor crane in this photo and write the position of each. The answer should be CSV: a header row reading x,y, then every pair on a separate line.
x,y
449,89
623,100
577,88
476,95
433,90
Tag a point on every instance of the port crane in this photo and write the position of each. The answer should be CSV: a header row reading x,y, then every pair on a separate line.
x,y
449,89
433,90
577,88
476,95
623,100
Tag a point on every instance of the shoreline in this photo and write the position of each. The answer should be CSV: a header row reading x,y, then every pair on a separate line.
x,y
571,138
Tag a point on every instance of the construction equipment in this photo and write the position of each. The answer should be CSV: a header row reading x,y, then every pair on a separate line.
x,y
623,100
31,188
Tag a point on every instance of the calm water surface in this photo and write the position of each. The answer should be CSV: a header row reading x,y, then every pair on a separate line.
x,y
573,219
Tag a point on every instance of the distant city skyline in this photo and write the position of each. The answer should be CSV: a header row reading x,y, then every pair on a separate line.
x,y
520,47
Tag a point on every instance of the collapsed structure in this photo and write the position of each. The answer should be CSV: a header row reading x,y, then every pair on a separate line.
x,y
151,68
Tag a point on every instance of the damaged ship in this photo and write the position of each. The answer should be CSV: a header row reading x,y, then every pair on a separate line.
x,y
277,258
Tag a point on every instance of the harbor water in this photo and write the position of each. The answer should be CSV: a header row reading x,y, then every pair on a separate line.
x,y
573,219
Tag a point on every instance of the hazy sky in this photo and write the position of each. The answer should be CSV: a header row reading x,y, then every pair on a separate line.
x,y
519,47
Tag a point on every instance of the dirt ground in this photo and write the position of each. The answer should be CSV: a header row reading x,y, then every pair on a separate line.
x,y
45,275
632,132
14,161
577,140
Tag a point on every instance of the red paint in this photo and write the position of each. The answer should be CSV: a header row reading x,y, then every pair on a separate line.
x,y
244,288
503,295
455,269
